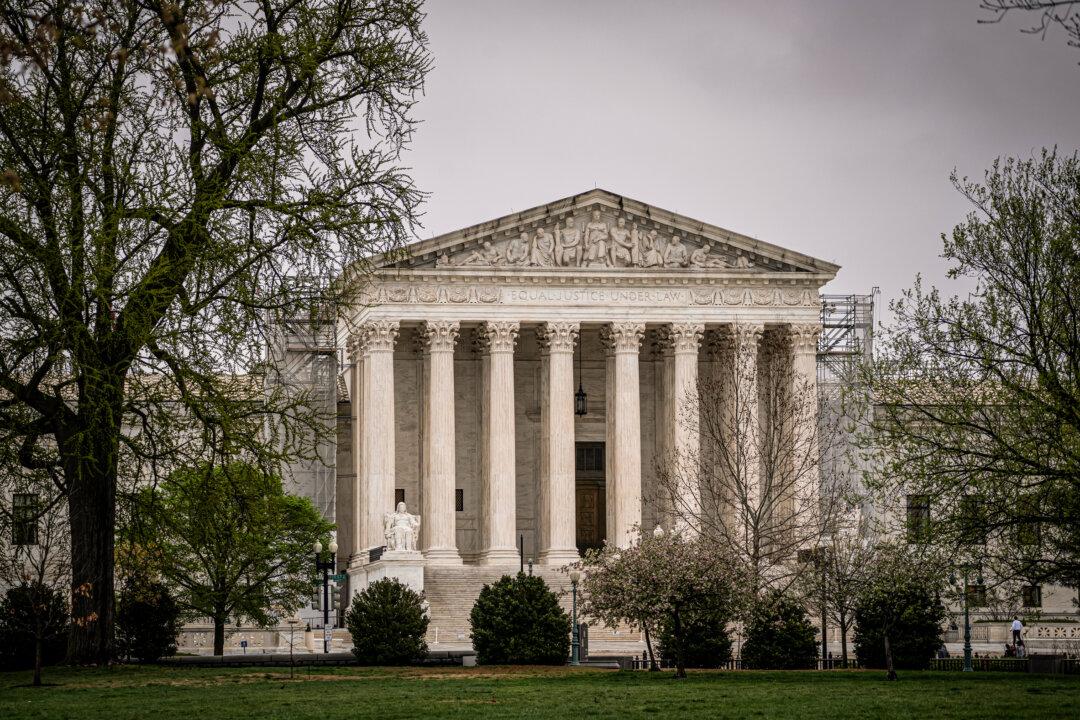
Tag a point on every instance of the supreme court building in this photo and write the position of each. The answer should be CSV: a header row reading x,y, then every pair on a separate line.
x,y
464,356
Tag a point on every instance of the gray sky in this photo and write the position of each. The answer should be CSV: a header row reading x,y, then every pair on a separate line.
x,y
825,126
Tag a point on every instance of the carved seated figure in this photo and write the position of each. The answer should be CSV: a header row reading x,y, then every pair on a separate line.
x,y
650,251
700,258
676,255
400,529
543,249
488,254
517,251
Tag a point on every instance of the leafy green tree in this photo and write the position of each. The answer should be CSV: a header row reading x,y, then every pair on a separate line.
x,y
898,612
978,394
176,176
387,623
779,635
706,642
518,621
665,582
147,620
231,543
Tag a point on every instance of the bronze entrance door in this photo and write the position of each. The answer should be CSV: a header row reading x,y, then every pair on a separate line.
x,y
591,506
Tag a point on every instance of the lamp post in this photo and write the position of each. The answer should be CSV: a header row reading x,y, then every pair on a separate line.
x,y
325,566
966,569
575,644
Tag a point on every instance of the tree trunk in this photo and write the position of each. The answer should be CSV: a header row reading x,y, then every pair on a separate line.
x,y
891,674
648,648
680,656
843,640
90,453
219,635
39,651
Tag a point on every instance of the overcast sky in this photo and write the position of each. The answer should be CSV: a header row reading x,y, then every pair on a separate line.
x,y
825,126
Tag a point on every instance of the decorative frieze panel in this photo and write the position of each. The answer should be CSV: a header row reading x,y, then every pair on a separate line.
x,y
602,238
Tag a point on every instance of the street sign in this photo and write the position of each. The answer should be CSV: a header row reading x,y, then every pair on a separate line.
x,y
340,577
328,634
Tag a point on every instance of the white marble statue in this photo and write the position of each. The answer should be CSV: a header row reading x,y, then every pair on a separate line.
x,y
623,247
700,258
488,254
568,244
543,249
401,529
596,240
675,255
650,251
517,251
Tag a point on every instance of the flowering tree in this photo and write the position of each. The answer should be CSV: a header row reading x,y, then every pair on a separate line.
x,y
664,578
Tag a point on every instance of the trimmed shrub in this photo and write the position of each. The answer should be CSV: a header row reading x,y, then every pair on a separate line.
x,y
779,635
147,621
905,606
707,643
388,624
518,621
24,609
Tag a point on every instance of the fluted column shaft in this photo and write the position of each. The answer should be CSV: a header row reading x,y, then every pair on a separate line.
x,y
682,446
438,531
623,341
558,541
356,527
804,342
377,472
498,496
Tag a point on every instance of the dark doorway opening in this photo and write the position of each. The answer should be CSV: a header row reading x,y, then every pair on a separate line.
x,y
590,495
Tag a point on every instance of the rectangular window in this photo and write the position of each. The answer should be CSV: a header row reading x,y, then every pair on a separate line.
x,y
918,518
399,496
590,457
24,528
1032,596
459,500
972,520
976,595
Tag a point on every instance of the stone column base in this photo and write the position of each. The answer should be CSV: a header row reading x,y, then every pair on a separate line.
x,y
501,556
442,556
559,558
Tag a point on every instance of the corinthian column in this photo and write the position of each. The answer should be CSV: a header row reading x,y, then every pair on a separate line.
x,y
376,478
352,534
804,343
682,445
437,480
747,470
623,340
498,503
558,541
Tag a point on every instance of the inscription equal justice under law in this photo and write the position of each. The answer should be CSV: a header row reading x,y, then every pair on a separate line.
x,y
601,295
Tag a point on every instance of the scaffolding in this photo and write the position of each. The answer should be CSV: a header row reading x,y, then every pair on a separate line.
x,y
847,334
303,357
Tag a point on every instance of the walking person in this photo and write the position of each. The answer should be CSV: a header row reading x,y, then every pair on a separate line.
x,y
1017,628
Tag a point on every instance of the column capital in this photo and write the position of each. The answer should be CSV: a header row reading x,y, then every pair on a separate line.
x,y
376,336
439,335
747,335
681,337
557,336
804,337
622,337
498,336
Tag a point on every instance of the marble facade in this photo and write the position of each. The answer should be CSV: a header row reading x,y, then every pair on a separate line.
x,y
463,356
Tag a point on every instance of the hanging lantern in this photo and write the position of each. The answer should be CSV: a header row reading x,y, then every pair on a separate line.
x,y
581,400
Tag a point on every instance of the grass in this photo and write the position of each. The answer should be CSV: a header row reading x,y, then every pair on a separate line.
x,y
409,693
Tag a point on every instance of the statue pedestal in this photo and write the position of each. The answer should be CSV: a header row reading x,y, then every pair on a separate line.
x,y
406,566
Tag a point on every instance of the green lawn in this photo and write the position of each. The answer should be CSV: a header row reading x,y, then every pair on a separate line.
x,y
325,694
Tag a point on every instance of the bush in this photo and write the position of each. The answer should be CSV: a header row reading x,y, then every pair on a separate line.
x,y
388,624
907,606
705,637
518,621
779,635
21,609
147,621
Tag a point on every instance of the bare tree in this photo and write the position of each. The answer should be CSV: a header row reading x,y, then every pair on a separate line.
x,y
1048,13
35,565
753,484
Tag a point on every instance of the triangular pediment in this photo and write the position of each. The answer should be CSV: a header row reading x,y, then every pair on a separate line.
x,y
600,230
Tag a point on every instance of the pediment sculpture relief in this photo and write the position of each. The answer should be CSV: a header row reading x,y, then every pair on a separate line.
x,y
595,243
